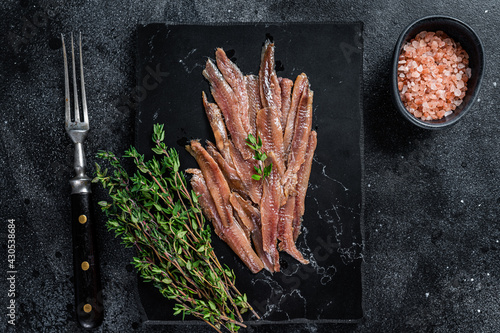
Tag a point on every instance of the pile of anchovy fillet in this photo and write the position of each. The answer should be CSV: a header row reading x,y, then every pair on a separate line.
x,y
276,113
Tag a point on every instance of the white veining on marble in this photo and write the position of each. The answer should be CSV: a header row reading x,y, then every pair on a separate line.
x,y
278,294
184,64
323,172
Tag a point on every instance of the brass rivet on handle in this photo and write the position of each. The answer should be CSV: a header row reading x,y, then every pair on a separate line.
x,y
85,265
82,219
87,308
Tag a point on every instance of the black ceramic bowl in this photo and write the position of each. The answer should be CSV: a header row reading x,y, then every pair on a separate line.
x,y
461,33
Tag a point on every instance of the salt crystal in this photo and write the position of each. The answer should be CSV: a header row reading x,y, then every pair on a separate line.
x,y
468,72
420,68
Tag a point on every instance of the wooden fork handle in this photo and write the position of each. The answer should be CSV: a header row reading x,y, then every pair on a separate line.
x,y
87,281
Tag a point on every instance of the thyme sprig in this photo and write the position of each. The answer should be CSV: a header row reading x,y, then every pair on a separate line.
x,y
154,211
256,145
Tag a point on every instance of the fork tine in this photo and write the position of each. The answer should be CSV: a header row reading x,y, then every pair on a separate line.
x,y
75,88
84,98
66,84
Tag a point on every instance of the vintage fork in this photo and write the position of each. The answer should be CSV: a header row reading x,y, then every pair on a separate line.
x,y
88,291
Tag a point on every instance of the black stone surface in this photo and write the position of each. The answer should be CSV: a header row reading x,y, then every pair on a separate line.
x,y
431,231
329,288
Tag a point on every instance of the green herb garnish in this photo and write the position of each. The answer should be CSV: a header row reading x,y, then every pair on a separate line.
x,y
154,211
256,145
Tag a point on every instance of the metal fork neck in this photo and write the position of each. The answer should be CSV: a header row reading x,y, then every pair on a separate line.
x,y
81,182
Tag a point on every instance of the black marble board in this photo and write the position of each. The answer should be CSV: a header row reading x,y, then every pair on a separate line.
x,y
169,85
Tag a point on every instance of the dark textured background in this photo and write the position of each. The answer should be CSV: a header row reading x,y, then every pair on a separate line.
x,y
432,235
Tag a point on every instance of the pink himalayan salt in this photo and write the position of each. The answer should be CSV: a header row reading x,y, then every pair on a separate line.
x,y
433,75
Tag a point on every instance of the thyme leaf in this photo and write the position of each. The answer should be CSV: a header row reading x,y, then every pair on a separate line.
x,y
256,145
